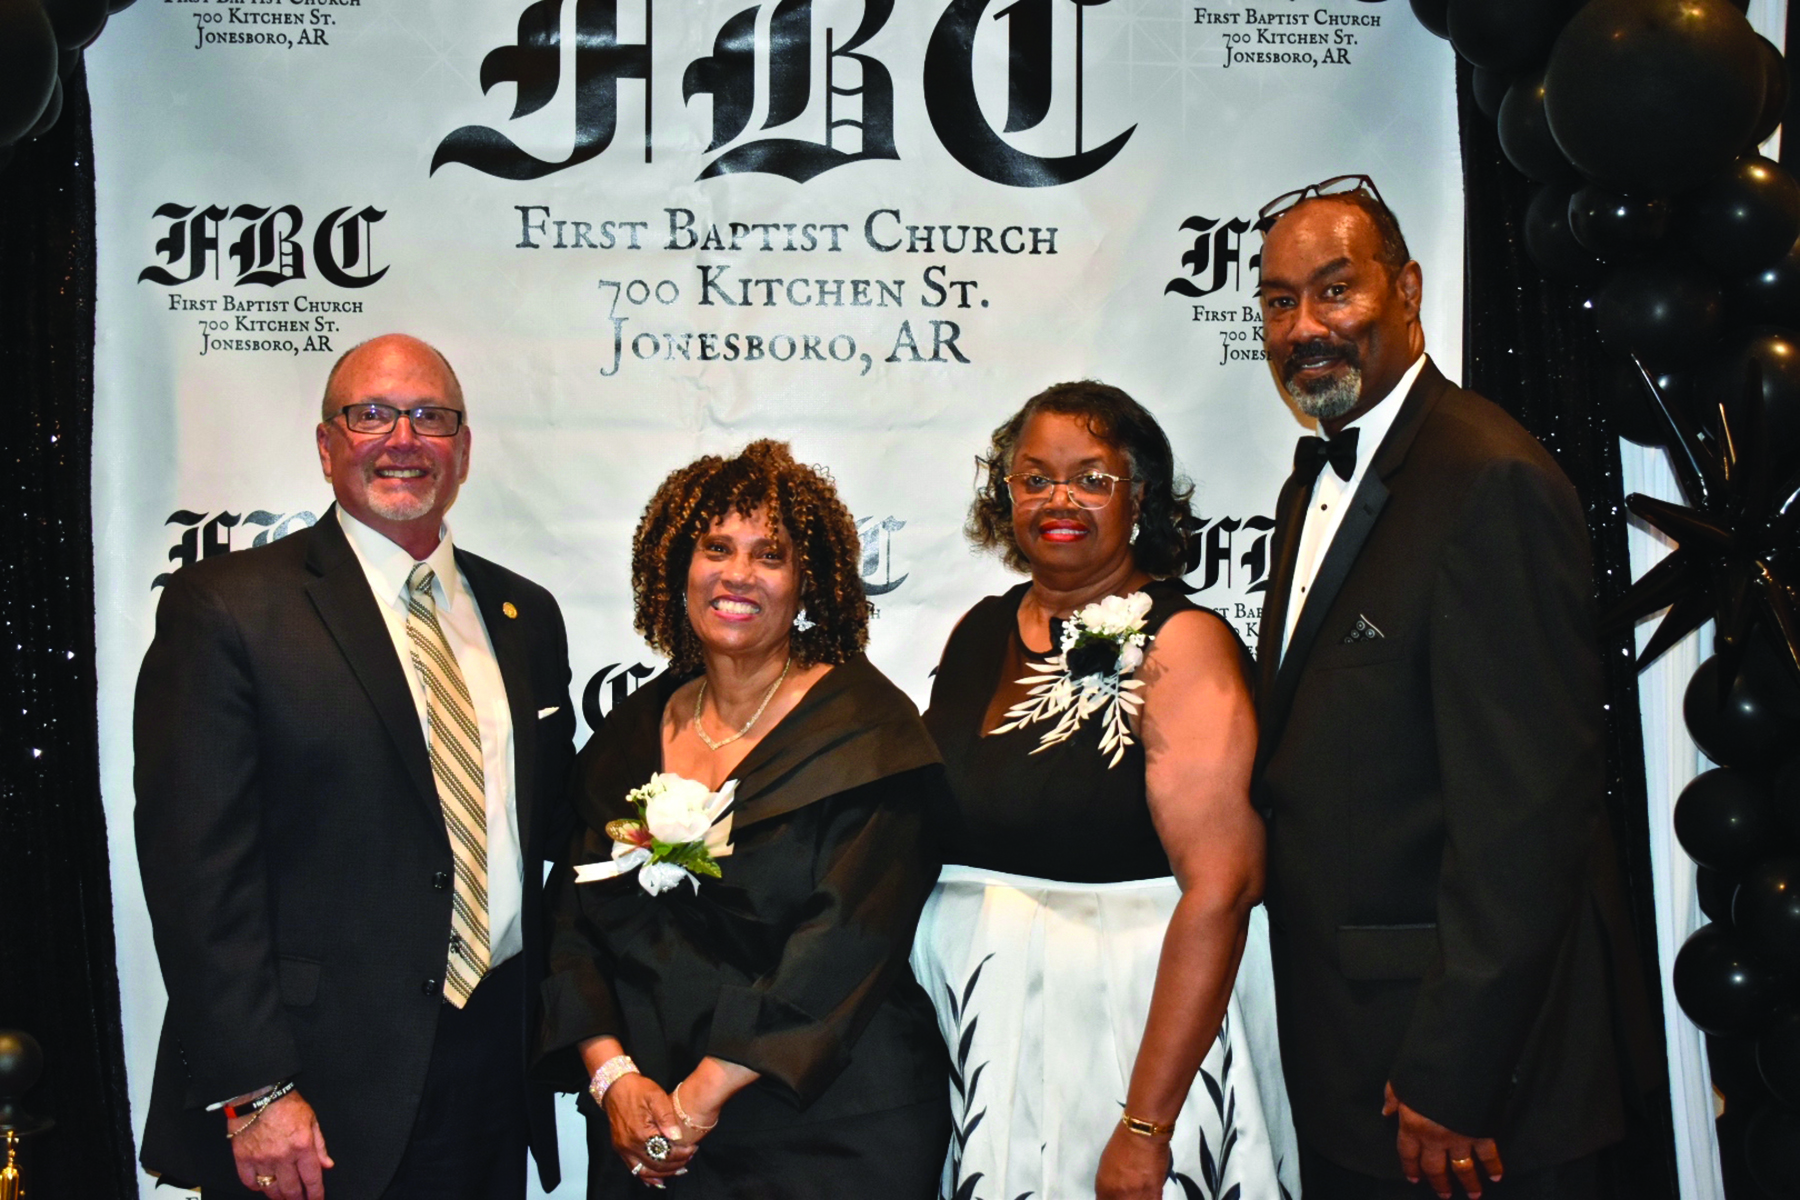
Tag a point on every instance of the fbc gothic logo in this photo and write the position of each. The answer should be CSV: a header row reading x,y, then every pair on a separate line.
x,y
1220,284
767,63
203,535
265,245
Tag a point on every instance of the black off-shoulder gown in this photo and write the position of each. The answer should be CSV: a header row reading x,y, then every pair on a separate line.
x,y
793,964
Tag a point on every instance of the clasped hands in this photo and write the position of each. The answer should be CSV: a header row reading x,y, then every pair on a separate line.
x,y
1430,1150
638,1109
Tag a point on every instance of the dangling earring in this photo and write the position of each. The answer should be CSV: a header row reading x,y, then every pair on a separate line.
x,y
1132,540
801,623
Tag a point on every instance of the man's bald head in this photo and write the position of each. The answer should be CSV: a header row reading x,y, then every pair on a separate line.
x,y
336,396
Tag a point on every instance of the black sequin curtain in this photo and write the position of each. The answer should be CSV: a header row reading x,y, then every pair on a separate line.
x,y
1530,346
58,978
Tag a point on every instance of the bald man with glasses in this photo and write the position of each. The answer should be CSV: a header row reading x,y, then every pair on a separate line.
x,y
351,749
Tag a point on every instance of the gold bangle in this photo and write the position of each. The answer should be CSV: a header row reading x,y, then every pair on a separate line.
x,y
1143,1128
681,1113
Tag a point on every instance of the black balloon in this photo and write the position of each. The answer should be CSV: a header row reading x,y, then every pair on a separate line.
x,y
1769,1142
1654,96
21,1062
1549,241
1726,821
1771,296
1525,133
1765,912
1666,312
1777,354
1745,729
1714,891
1745,219
52,111
1778,1057
1787,797
1617,227
1721,988
1433,15
27,66
1635,415
77,22
1489,88
1775,91
1506,35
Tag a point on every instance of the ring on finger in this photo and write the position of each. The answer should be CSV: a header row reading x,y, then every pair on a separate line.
x,y
1465,1161
637,1168
265,1181
657,1148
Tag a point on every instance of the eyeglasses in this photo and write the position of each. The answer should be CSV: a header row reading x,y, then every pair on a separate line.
x,y
427,420
1337,185
1090,489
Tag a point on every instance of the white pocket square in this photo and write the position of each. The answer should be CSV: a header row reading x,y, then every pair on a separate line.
x,y
544,712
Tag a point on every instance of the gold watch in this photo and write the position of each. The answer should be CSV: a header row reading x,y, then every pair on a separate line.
x,y
1143,1128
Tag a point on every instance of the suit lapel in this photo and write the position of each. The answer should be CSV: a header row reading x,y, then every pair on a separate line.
x,y
1365,509
342,598
1290,511
512,651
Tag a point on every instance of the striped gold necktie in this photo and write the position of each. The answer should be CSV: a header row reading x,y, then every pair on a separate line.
x,y
455,743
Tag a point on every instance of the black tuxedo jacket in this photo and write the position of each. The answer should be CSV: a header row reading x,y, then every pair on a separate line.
x,y
293,850
1440,884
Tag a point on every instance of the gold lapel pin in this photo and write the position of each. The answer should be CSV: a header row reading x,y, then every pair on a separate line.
x,y
509,610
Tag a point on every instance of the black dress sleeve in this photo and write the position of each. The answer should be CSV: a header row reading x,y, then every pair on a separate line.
x,y
798,1025
577,992
578,997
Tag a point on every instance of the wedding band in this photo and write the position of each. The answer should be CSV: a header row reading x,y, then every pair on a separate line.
x,y
263,1181
637,1168
1462,1162
657,1148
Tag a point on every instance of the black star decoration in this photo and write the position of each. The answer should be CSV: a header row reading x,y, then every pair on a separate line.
x,y
1737,539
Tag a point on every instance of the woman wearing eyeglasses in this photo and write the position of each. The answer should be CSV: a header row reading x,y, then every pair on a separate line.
x,y
1081,949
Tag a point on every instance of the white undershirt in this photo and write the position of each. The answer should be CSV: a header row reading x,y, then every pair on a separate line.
x,y
1331,496
387,567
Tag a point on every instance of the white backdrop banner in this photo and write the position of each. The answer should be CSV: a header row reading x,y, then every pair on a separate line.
x,y
644,231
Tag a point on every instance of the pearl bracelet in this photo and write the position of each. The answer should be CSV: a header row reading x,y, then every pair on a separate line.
x,y
610,1072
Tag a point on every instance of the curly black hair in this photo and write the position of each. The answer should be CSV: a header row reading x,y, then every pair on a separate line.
x,y
766,479
1165,512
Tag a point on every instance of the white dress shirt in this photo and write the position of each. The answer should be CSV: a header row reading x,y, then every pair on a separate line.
x,y
1331,496
387,567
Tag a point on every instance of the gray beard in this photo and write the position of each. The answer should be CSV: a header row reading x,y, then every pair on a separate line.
x,y
398,508
1333,398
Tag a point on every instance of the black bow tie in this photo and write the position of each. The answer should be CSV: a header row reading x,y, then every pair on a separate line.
x,y
1312,453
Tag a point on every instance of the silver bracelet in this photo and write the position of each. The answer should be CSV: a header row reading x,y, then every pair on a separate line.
x,y
609,1073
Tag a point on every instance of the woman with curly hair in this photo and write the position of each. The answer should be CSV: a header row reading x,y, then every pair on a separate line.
x,y
1105,860
742,1015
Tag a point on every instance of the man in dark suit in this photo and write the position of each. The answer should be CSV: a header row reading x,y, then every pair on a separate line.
x,y
1441,894
351,751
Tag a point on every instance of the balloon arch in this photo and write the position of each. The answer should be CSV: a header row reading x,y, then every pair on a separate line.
x,y
1639,122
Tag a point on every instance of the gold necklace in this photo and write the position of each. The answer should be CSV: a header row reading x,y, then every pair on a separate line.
x,y
700,698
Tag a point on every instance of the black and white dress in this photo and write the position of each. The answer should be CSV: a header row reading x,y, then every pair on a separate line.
x,y
1039,949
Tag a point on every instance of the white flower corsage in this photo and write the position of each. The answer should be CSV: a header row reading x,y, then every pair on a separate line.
x,y
684,829
1101,644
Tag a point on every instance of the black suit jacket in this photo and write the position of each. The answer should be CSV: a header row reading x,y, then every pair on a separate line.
x,y
1440,885
293,850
